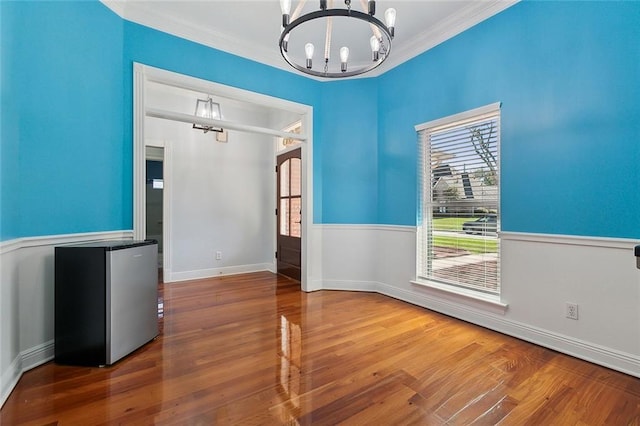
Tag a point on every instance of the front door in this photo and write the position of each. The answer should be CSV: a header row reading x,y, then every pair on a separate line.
x,y
289,212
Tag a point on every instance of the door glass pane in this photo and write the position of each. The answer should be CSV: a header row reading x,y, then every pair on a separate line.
x,y
284,216
296,176
296,217
284,178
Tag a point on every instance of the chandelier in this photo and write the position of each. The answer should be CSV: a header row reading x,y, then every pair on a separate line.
x,y
339,24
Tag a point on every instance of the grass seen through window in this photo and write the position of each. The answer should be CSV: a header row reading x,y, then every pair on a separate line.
x,y
470,244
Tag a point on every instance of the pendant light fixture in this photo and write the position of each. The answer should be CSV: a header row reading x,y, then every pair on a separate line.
x,y
206,108
380,37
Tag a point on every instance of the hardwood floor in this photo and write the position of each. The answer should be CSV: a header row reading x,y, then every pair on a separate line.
x,y
253,349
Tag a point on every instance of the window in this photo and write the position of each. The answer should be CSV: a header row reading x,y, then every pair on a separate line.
x,y
285,143
458,212
290,196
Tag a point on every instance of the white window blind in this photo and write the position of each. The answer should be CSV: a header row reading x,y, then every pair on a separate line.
x,y
458,218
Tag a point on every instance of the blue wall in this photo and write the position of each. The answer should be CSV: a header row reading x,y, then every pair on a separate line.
x,y
348,159
566,74
62,150
9,150
568,77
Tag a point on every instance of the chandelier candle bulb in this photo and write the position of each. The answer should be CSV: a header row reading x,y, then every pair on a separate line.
x,y
375,47
285,5
308,51
344,57
371,5
390,20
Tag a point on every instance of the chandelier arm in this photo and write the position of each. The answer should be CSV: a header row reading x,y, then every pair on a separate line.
x,y
327,39
386,35
374,29
298,10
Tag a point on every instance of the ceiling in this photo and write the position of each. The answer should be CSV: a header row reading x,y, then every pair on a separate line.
x,y
251,28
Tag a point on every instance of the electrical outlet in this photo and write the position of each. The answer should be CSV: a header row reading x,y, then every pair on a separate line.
x,y
218,255
572,310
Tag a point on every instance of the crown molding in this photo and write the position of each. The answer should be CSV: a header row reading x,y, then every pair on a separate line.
x,y
138,13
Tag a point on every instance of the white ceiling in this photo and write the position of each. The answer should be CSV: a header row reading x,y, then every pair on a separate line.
x,y
251,28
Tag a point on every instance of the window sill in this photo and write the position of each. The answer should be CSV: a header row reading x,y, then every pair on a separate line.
x,y
464,296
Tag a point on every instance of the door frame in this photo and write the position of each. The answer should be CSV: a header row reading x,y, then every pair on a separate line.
x,y
142,74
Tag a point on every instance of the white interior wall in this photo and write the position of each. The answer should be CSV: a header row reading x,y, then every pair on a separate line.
x,y
9,323
221,195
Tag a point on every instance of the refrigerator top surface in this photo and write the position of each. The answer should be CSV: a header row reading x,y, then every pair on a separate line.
x,y
114,244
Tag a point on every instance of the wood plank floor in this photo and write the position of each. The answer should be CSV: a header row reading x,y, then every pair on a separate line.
x,y
253,349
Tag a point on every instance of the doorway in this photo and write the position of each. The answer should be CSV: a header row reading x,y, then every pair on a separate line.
x,y
154,197
143,76
289,214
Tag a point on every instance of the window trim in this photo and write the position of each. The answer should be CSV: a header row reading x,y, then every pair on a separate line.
x,y
492,302
472,115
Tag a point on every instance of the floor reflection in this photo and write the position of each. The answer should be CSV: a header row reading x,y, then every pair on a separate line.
x,y
290,363
289,333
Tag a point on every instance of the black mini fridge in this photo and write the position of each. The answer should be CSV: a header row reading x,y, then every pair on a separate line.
x,y
106,300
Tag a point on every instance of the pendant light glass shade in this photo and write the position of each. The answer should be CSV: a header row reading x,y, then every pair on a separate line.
x,y
206,108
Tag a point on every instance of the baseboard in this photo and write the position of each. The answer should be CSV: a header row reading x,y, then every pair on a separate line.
x,y
607,357
219,272
350,285
314,285
9,379
38,355
25,361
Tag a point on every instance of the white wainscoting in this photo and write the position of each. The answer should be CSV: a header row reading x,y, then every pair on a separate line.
x,y
540,273
27,301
